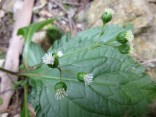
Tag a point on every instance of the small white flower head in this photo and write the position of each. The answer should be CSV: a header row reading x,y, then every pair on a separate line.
x,y
88,79
60,93
48,58
60,90
131,49
59,54
129,36
109,11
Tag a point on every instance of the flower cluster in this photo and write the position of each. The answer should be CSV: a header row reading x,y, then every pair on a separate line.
x,y
84,77
48,58
59,54
51,59
60,89
60,93
129,35
88,78
123,38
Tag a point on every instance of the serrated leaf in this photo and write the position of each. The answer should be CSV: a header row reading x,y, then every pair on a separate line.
x,y
91,35
120,86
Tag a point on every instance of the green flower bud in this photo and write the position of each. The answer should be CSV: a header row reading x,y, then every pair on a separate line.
x,y
60,85
121,37
124,49
80,76
107,15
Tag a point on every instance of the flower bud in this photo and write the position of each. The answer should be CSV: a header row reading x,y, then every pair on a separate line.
x,y
60,85
124,49
125,36
107,15
121,37
80,76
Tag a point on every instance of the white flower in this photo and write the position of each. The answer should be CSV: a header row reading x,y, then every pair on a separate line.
x,y
59,54
109,10
88,79
129,36
131,49
60,93
48,58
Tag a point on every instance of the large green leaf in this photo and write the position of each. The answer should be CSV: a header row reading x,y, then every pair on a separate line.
x,y
120,86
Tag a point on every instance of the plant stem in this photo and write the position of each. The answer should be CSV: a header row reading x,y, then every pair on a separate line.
x,y
102,32
7,71
26,100
58,67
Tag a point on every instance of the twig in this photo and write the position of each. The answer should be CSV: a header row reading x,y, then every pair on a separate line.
x,y
149,61
70,20
152,2
72,3
6,91
149,64
60,5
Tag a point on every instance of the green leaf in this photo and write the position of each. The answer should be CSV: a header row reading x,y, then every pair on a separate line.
x,y
92,35
27,33
35,54
120,86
